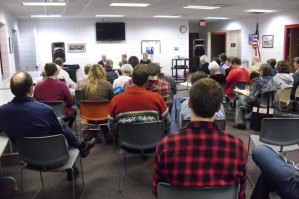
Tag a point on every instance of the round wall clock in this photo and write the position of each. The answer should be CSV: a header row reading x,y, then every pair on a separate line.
x,y
183,29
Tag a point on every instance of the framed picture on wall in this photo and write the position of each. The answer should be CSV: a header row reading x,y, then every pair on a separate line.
x,y
250,39
268,41
151,47
76,48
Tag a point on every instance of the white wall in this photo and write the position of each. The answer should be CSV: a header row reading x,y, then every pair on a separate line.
x,y
83,31
269,24
7,23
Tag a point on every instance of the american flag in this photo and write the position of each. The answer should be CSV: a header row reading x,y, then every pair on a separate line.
x,y
256,42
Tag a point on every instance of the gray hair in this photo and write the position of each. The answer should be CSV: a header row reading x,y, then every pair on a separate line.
x,y
204,59
213,66
126,69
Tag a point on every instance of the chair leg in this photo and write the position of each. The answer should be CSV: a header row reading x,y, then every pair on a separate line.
x,y
73,182
124,172
83,183
41,178
21,179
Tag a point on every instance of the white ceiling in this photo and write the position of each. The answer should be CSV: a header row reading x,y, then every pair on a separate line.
x,y
89,8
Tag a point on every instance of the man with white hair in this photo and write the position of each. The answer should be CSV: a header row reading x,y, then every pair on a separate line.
x,y
103,61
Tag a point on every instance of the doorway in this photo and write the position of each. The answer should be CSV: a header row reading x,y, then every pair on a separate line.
x,y
291,44
16,49
218,41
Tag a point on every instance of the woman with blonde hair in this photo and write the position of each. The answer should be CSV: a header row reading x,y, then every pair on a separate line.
x,y
96,86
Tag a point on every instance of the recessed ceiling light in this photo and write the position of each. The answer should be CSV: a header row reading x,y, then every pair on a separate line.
x,y
43,3
260,10
216,18
46,16
167,16
130,4
110,16
202,7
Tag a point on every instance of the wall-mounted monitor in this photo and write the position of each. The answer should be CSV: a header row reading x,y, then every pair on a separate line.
x,y
110,31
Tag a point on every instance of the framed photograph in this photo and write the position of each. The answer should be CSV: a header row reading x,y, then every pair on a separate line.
x,y
268,41
250,39
151,47
10,43
76,48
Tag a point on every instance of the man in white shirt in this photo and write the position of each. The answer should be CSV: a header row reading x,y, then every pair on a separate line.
x,y
63,74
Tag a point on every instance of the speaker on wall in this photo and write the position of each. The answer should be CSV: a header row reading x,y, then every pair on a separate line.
x,y
198,47
58,50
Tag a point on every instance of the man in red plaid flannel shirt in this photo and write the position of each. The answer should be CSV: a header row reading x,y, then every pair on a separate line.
x,y
200,154
154,83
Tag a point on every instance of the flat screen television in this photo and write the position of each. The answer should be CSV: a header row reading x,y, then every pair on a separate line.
x,y
110,31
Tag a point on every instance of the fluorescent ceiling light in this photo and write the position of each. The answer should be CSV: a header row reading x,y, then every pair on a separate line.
x,y
130,4
43,3
221,18
202,7
167,16
260,10
45,16
110,16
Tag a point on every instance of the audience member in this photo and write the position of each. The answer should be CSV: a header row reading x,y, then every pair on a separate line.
x,y
97,88
25,117
184,109
200,154
272,63
295,77
277,174
238,74
136,104
111,75
62,74
119,83
123,60
255,65
154,84
229,65
204,64
170,80
103,61
51,89
145,59
223,64
215,73
82,81
134,61
283,78
260,86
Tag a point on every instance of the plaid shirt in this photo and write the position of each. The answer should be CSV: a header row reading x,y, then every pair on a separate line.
x,y
159,86
201,155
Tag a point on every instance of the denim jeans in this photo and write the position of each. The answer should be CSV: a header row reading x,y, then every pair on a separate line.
x,y
276,175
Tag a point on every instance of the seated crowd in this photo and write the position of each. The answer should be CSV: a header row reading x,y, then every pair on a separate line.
x,y
197,154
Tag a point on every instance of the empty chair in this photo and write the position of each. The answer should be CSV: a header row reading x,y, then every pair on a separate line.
x,y
94,114
48,154
281,134
58,108
284,99
167,191
138,138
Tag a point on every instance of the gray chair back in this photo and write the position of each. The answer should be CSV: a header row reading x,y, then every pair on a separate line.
x,y
166,191
140,136
43,152
280,131
78,96
58,108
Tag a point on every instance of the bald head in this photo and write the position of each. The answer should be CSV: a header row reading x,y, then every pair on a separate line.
x,y
20,84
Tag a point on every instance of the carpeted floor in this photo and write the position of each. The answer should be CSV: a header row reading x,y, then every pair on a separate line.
x,y
101,171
